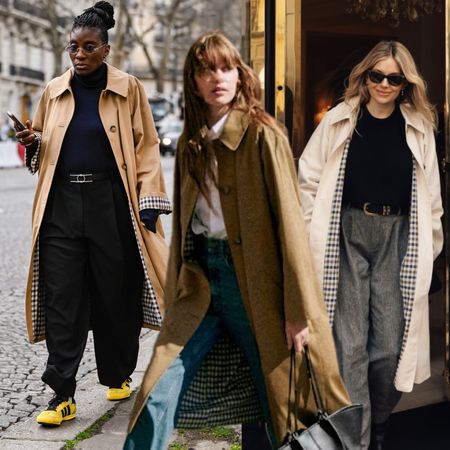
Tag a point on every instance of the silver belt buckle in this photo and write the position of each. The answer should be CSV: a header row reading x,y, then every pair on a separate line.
x,y
80,178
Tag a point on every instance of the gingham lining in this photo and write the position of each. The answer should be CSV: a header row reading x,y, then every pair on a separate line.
x,y
153,202
150,308
32,162
188,252
222,391
331,259
37,298
408,270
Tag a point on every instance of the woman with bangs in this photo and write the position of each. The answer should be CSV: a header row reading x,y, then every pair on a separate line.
x,y
371,196
241,288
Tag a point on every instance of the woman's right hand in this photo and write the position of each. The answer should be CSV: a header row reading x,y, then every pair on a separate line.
x,y
297,335
28,136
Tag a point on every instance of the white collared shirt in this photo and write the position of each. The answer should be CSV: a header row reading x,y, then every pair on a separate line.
x,y
206,220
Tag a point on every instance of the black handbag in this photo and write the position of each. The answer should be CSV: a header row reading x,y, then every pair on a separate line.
x,y
340,430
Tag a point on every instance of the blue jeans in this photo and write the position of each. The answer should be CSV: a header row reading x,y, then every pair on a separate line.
x,y
226,313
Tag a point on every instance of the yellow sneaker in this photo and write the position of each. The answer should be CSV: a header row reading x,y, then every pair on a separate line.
x,y
59,409
119,393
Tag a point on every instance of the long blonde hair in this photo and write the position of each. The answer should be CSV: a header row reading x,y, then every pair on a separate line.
x,y
415,91
204,54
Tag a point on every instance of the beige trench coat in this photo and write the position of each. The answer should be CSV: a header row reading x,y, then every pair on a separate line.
x,y
126,117
318,172
260,203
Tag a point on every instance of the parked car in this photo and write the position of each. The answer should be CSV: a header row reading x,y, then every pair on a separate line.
x,y
169,137
161,107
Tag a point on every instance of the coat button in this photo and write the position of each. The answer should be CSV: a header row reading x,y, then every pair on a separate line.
x,y
226,190
238,241
113,128
124,166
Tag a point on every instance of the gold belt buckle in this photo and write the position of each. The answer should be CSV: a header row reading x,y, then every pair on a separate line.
x,y
365,206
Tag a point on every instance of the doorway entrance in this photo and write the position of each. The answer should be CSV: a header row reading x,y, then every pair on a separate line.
x,y
303,50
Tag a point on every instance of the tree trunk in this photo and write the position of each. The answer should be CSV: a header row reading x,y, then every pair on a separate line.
x,y
118,41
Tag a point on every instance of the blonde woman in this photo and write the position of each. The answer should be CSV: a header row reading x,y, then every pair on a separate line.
x,y
371,196
241,288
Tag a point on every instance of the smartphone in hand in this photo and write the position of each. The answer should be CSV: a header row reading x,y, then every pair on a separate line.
x,y
18,125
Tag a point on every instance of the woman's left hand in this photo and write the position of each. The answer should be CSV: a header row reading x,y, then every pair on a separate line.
x,y
297,334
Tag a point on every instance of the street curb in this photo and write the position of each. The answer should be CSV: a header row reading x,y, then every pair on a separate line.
x,y
91,405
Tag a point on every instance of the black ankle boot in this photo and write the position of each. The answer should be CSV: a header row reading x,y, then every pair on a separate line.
x,y
378,436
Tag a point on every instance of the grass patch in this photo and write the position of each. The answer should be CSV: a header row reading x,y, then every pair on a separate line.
x,y
177,446
221,433
89,432
215,434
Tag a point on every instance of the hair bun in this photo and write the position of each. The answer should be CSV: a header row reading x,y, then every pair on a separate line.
x,y
106,11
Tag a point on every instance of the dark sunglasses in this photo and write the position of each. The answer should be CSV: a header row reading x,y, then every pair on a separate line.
x,y
378,77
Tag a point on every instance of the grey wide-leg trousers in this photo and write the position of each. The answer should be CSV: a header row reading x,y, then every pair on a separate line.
x,y
368,323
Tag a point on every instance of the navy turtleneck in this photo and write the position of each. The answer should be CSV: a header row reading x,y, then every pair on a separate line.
x,y
86,148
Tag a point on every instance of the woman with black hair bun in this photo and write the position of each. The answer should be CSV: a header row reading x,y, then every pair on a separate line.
x,y
98,250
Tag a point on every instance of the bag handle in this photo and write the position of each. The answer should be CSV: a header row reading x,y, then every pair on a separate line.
x,y
292,383
315,388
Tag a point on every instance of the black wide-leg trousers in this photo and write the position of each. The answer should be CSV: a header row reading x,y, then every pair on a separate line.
x,y
93,278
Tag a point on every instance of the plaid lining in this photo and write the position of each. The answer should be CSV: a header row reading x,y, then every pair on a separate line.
x,y
222,391
159,203
408,270
331,259
150,308
188,251
33,162
37,298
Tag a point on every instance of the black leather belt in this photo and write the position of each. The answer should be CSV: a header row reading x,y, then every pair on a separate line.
x,y
375,209
85,177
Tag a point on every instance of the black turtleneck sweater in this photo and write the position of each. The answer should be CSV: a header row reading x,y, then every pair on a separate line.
x,y
86,148
379,162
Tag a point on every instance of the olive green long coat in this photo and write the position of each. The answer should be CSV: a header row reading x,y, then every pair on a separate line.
x,y
126,116
261,208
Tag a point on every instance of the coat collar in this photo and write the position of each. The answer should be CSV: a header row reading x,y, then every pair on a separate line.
x,y
412,117
117,82
234,129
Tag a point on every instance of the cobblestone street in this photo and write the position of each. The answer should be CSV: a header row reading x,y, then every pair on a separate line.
x,y
21,364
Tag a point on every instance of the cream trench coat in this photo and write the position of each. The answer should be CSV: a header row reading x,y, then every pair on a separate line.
x,y
318,173
265,228
126,117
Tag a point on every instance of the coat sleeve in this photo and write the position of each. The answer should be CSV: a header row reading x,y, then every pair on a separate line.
x,y
431,168
150,182
311,164
33,153
302,293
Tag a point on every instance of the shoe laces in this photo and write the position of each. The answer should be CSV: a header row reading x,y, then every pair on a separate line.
x,y
57,400
127,381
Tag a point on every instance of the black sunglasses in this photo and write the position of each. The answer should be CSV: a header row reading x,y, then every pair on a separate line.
x,y
378,77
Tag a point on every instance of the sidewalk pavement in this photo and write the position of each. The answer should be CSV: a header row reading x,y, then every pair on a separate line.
x,y
91,406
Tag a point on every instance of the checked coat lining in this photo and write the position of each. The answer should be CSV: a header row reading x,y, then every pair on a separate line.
x,y
408,270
